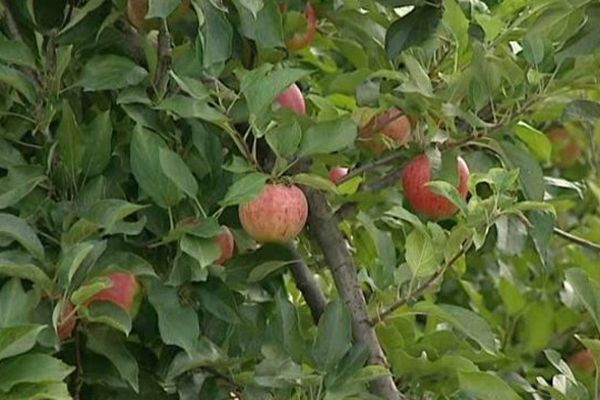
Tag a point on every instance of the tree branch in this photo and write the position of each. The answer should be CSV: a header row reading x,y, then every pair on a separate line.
x,y
372,165
163,51
419,290
132,42
576,239
307,285
324,227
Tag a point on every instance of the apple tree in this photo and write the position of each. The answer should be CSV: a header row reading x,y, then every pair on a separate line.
x,y
308,200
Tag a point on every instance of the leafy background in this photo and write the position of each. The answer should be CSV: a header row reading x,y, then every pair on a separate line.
x,y
126,147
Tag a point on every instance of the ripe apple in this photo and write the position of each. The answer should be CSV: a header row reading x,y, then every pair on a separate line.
x,y
300,40
397,129
137,10
565,149
417,174
67,321
277,215
293,99
226,244
583,360
125,292
337,173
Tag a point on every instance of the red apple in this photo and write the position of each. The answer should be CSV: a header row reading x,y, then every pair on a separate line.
x,y
300,40
293,99
398,129
136,12
226,244
337,173
582,360
565,149
67,321
125,292
277,215
417,174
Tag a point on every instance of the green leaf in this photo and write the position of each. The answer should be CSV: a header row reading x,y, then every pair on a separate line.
x,y
18,81
97,140
178,324
109,213
217,35
17,229
419,253
188,107
587,291
486,386
315,181
69,142
71,260
178,172
16,304
38,391
260,88
260,23
18,183
450,192
466,321
328,137
108,313
80,13
110,72
263,270
205,251
530,173
161,8
32,368
581,109
334,335
219,303
24,271
85,292
244,189
537,142
285,327
9,156
145,150
14,52
18,339
412,29
204,354
193,87
285,138
111,345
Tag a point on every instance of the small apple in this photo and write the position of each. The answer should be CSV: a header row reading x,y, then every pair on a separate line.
x,y
124,291
583,360
416,175
337,173
293,99
226,244
565,149
300,40
136,13
67,321
397,129
277,215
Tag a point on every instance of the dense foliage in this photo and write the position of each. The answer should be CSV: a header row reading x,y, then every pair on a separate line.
x,y
140,140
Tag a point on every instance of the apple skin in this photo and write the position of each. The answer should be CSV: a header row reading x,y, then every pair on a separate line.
x,y
67,321
125,292
277,215
337,173
565,149
416,174
136,13
301,40
398,130
293,99
226,243
582,361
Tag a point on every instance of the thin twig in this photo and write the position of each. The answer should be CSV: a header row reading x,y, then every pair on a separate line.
x,y
576,239
419,290
372,165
